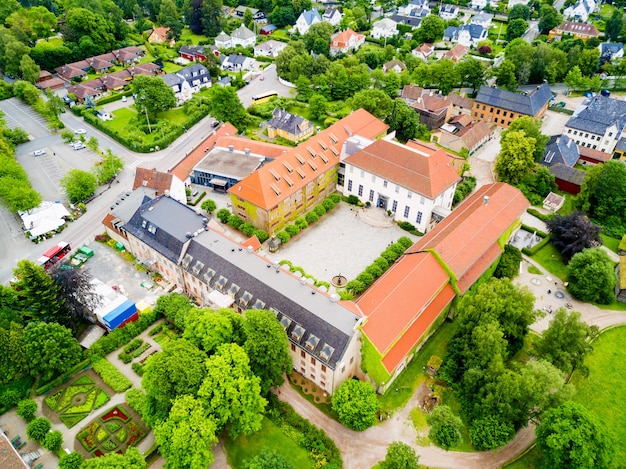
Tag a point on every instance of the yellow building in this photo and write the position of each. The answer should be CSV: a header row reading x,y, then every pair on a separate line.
x,y
572,28
289,126
503,107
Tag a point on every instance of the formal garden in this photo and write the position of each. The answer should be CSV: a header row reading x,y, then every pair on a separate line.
x,y
113,431
75,400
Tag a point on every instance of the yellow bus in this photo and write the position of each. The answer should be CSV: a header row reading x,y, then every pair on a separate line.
x,y
263,97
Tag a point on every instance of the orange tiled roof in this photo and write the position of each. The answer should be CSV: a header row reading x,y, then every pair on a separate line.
x,y
475,132
466,238
277,180
456,52
592,154
252,242
153,179
256,147
343,39
161,32
426,172
574,27
399,298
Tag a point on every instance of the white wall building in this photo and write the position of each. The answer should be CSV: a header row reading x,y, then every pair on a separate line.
x,y
384,28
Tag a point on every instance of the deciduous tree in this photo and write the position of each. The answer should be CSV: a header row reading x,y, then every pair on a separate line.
x,y
431,29
515,160
592,276
26,409
444,427
207,329
70,461
79,185
226,106
38,429
572,233
153,95
614,25
51,349
268,459
131,459
77,292
108,167
399,456
531,128
376,102
516,28
53,440
356,404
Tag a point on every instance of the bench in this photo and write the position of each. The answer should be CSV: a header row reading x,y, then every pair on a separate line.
x,y
39,466
21,445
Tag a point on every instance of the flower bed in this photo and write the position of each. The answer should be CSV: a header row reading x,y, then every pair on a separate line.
x,y
115,413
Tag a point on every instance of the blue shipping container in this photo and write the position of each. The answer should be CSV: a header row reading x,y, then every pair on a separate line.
x,y
120,314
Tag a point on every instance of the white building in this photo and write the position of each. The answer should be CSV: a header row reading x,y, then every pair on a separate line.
x,y
269,48
580,11
223,41
415,182
307,19
242,36
384,28
448,12
332,16
468,35
482,19
419,8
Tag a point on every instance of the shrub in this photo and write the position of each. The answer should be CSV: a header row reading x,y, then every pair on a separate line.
x,y
374,270
136,399
134,345
353,200
247,229
356,286
406,226
488,433
223,215
404,242
366,278
53,441
110,375
10,398
484,50
118,337
336,198
328,204
209,206
444,427
311,217
356,404
235,221
38,429
301,223
26,409
464,189
382,263
70,461
292,230
283,236
262,235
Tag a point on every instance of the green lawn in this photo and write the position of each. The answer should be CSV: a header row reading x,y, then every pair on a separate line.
x,y
170,67
550,259
529,460
271,437
190,38
121,119
496,28
177,115
610,243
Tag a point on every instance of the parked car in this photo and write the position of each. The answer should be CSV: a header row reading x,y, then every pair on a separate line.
x,y
124,99
78,145
80,131
39,152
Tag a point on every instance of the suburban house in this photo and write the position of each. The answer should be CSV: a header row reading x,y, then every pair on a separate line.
x,y
433,109
599,123
395,65
385,28
560,150
269,48
482,4
267,29
218,272
74,71
459,134
567,179
161,183
610,51
468,35
345,41
295,182
193,53
424,51
415,8
159,36
580,10
502,107
416,183
243,37
240,11
409,301
236,63
223,41
180,87
448,12
188,81
482,19
289,126
306,19
332,16
512,3
409,20
456,53
575,29
460,104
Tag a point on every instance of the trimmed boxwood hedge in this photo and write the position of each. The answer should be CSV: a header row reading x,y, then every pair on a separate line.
x,y
110,375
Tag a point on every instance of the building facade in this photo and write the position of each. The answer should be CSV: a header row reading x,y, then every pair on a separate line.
x,y
502,107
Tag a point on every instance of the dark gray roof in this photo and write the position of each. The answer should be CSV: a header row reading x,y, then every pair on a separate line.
x,y
297,305
611,47
566,173
621,144
191,50
195,73
286,121
529,104
601,112
228,164
172,79
408,20
172,221
561,149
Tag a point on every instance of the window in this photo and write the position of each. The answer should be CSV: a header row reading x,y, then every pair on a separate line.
x,y
312,376
475,114
152,229
397,189
313,362
322,384
484,107
407,209
490,109
569,131
422,200
496,121
384,183
371,198
360,190
482,116
362,173
419,217
323,368
302,354
586,135
302,370
575,132
394,206
373,178
293,348
144,223
610,134
498,112
349,185
594,147
503,113
409,194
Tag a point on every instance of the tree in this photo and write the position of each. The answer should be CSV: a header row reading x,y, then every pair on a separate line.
x,y
209,206
51,349
376,102
592,276
471,72
223,214
444,427
505,76
77,292
356,404
489,432
515,160
516,29
108,167
267,347
399,456
531,128
232,393
187,437
567,341
174,307
79,185
26,409
268,459
70,461
53,441
572,233
169,17
38,429
14,51
82,25
226,107
207,329
431,29
405,121
508,266
614,25
17,195
29,69
93,144
212,19
13,361
317,106
519,11
131,459
589,62
37,292
153,95
570,436
179,369
549,18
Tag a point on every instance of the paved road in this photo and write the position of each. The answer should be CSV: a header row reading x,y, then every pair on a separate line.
x,y
270,82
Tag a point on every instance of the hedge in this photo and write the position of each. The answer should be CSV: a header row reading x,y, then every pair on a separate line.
x,y
532,229
136,399
113,97
532,251
118,337
84,365
110,375
538,214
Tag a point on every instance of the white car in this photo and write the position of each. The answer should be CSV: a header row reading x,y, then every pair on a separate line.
x,y
77,145
124,99
39,152
80,131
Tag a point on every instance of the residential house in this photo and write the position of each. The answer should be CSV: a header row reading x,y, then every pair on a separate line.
x,y
575,29
599,123
410,182
415,8
74,71
267,29
243,37
269,48
237,63
408,20
161,183
292,184
502,107
567,179
458,135
306,20
216,271
160,36
448,12
193,53
611,51
240,11
333,16
589,156
180,86
223,41
409,301
395,65
512,3
560,150
289,126
128,55
460,104
50,82
385,28
433,109
456,53
482,19
424,51
482,4
345,41
468,35
580,10
188,81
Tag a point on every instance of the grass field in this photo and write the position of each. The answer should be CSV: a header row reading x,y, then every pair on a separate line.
x,y
271,437
550,259
530,460
610,243
190,38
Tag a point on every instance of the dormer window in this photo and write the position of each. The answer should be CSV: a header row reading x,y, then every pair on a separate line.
x,y
152,229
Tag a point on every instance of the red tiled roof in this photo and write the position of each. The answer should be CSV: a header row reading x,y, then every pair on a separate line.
x,y
427,172
153,179
252,242
9,457
343,39
53,83
298,166
431,102
399,298
456,52
161,32
460,101
574,27
466,238
475,132
591,154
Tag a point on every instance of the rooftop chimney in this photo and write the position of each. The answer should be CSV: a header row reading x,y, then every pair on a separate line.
x,y
231,148
485,200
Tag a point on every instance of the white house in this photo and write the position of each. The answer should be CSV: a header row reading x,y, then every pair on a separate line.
x,y
580,11
269,48
345,41
242,36
611,51
468,35
332,16
384,28
481,4
236,63
448,12
418,8
482,19
512,3
223,41
188,81
180,87
423,51
415,182
306,20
